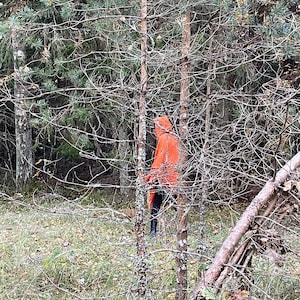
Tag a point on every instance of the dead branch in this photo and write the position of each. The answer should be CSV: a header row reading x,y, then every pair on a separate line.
x,y
223,255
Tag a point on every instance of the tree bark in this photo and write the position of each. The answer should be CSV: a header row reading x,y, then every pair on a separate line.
x,y
123,151
182,207
141,158
22,116
228,246
205,174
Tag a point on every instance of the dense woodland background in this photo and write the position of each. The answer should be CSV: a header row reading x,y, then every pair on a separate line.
x,y
70,91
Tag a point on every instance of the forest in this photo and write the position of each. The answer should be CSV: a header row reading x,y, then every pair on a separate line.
x,y
81,82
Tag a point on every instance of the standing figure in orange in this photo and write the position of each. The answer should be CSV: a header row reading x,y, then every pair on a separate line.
x,y
163,171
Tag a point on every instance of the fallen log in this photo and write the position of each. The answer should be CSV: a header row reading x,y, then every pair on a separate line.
x,y
224,253
239,252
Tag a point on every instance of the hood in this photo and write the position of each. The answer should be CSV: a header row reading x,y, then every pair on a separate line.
x,y
162,125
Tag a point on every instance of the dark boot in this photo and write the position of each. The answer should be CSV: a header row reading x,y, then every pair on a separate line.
x,y
153,227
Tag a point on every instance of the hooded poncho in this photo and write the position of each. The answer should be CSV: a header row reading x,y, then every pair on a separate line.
x,y
166,156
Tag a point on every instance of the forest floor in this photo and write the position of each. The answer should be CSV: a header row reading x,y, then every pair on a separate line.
x,y
53,248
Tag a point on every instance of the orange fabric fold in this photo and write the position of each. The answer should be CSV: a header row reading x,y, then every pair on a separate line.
x,y
166,156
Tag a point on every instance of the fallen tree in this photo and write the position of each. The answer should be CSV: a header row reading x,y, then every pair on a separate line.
x,y
217,271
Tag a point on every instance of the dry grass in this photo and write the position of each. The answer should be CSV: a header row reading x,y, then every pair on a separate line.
x,y
66,254
64,250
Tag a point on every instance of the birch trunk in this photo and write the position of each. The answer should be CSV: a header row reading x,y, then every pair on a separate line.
x,y
141,158
205,174
182,207
230,243
22,116
123,150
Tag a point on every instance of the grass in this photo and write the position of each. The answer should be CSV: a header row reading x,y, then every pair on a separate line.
x,y
58,249
282,283
63,255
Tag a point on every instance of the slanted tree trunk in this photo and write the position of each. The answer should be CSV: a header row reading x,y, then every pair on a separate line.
x,y
232,240
182,207
141,158
22,116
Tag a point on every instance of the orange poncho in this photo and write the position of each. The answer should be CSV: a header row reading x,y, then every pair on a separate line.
x,y
166,156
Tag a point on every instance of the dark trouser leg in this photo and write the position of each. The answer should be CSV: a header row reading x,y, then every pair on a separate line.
x,y
154,212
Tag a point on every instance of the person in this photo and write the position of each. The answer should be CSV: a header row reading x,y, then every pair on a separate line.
x,y
164,167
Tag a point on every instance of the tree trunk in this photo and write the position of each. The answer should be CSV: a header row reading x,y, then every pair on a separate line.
x,y
141,158
123,150
205,174
230,243
22,116
182,208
